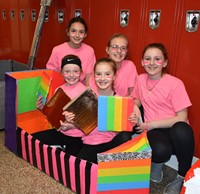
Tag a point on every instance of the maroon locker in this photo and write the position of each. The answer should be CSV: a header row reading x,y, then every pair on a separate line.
x,y
59,34
83,8
5,31
27,26
132,29
14,30
188,67
164,31
53,32
103,21
102,24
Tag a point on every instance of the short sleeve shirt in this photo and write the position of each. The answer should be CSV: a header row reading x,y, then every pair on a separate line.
x,y
165,99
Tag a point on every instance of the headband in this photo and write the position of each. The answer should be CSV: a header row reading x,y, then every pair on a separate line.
x,y
75,61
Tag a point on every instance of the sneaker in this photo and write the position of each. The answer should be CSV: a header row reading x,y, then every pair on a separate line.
x,y
156,172
175,186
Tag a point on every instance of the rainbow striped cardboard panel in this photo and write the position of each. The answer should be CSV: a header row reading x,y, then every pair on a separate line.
x,y
44,86
126,168
113,113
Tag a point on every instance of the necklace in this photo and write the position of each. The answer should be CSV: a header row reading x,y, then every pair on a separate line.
x,y
151,87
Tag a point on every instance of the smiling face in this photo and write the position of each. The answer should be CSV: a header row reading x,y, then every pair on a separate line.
x,y
153,62
104,76
71,73
117,49
76,33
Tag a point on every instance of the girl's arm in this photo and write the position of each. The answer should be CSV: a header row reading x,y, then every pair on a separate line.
x,y
130,90
137,102
135,117
87,79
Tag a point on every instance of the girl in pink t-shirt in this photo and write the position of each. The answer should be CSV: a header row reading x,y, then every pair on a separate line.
x,y
126,75
96,142
77,31
69,138
165,102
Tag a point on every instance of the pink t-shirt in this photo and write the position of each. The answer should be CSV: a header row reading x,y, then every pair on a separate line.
x,y
73,91
85,53
96,137
126,77
166,96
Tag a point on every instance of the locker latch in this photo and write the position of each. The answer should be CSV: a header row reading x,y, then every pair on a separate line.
x,y
192,21
154,19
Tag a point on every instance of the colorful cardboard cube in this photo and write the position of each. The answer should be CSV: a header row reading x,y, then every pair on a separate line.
x,y
126,168
113,113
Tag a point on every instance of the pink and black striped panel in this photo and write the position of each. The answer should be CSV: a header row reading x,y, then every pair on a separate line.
x,y
78,175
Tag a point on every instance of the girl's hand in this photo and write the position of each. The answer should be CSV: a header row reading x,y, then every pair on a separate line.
x,y
69,116
133,118
39,104
65,125
143,127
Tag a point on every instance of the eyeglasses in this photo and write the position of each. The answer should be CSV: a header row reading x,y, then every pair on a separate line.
x,y
116,48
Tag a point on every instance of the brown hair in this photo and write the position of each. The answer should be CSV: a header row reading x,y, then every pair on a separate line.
x,y
106,60
77,19
159,46
118,35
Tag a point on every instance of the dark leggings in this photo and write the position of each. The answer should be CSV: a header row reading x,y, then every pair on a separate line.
x,y
54,137
89,152
177,140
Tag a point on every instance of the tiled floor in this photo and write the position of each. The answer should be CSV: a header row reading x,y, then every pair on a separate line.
x,y
18,176
169,175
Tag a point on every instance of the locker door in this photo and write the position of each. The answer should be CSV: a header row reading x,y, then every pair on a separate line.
x,y
27,26
83,8
54,31
102,24
167,25
133,27
5,31
48,37
14,30
188,68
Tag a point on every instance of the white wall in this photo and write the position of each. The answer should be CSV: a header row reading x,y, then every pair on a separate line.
x,y
174,164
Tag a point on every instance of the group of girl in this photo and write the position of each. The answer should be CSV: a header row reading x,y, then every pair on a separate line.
x,y
162,96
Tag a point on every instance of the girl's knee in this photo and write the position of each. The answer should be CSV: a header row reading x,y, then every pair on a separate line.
x,y
162,152
123,137
182,130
